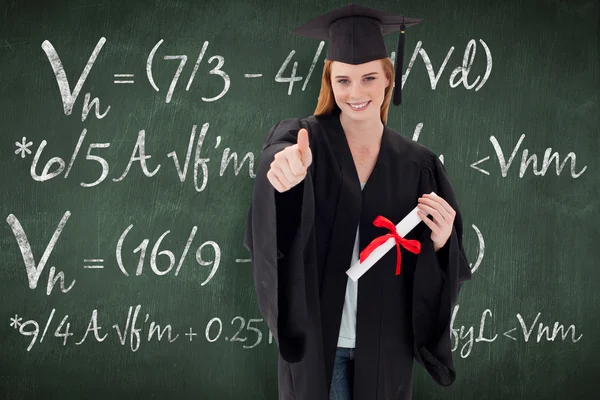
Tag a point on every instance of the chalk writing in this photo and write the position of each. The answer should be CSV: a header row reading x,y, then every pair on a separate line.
x,y
55,166
137,329
526,160
466,335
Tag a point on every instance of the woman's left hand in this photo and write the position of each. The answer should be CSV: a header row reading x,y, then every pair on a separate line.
x,y
443,218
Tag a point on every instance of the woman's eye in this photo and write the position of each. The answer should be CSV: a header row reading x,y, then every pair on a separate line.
x,y
368,78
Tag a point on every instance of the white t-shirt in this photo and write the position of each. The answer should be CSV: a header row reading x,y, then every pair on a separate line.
x,y
347,336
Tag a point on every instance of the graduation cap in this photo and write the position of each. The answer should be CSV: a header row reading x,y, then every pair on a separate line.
x,y
355,35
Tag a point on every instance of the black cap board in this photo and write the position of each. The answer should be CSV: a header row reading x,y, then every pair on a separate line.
x,y
355,34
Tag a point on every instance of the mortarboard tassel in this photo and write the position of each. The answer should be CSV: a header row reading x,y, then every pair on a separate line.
x,y
397,100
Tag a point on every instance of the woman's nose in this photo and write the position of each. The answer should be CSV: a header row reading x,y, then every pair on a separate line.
x,y
355,91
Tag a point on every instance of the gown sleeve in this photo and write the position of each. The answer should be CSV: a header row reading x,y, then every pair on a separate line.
x,y
437,282
277,230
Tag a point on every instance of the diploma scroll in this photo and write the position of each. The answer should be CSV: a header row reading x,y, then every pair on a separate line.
x,y
403,227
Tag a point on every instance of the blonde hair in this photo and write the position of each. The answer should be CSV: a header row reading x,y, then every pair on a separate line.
x,y
326,103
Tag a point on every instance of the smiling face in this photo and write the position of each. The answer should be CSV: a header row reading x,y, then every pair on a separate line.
x,y
359,89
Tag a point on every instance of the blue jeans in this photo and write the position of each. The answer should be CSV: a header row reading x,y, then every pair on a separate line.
x,y
342,383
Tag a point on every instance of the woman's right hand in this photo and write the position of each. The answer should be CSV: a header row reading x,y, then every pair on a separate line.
x,y
290,165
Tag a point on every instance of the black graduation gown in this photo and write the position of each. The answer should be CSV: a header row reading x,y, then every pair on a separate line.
x,y
301,244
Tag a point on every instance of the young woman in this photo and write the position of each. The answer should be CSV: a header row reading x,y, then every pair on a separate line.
x,y
322,181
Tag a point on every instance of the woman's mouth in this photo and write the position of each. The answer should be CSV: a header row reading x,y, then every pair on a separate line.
x,y
359,106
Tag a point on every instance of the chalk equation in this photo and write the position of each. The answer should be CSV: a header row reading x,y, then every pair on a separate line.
x,y
527,330
138,329
528,164
44,168
459,76
53,167
207,256
549,160
211,261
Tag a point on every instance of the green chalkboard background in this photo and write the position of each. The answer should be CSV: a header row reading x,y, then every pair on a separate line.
x,y
531,233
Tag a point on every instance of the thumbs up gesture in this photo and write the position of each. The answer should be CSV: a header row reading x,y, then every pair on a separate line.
x,y
290,165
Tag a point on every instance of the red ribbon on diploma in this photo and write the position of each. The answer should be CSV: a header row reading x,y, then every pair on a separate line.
x,y
414,246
